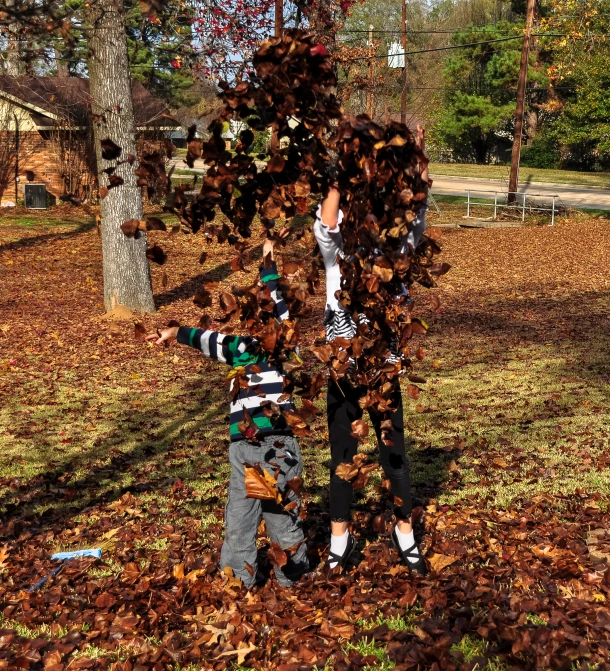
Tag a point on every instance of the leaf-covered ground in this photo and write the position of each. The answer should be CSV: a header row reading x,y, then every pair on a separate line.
x,y
108,442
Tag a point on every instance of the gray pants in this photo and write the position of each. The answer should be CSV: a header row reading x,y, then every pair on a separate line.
x,y
243,515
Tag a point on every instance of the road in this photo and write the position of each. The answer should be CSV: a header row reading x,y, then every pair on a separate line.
x,y
569,195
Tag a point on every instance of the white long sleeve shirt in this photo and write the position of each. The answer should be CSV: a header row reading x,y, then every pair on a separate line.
x,y
338,321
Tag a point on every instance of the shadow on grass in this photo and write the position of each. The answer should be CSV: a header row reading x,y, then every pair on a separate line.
x,y
37,240
189,288
161,458
219,273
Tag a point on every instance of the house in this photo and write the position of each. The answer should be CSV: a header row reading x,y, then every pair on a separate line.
x,y
46,133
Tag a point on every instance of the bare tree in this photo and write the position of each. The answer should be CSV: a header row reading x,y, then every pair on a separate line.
x,y
127,278
15,153
12,61
72,149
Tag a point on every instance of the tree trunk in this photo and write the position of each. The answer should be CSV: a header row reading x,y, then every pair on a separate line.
x,y
127,278
61,65
13,58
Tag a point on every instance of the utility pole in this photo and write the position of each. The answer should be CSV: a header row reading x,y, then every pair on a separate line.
x,y
369,94
279,29
519,113
403,41
279,17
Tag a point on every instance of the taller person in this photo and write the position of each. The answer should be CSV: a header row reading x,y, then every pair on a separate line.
x,y
342,399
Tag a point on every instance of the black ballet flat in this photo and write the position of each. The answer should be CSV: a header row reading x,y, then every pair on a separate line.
x,y
348,558
418,566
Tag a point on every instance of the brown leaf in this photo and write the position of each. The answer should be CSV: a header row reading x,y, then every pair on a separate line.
x,y
261,485
277,556
296,485
322,353
439,561
203,298
380,526
155,224
156,254
360,429
346,471
276,164
139,331
132,226
413,391
110,150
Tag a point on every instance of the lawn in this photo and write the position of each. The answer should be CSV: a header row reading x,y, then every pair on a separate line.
x,y
107,441
600,179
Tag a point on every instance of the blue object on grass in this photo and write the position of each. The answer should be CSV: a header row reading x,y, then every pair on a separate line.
x,y
64,556
93,552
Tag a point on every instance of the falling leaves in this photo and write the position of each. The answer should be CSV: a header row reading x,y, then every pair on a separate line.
x,y
277,556
110,150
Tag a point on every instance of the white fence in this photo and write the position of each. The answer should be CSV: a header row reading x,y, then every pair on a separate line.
x,y
522,204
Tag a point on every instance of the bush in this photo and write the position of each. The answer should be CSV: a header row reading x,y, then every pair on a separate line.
x,y
542,153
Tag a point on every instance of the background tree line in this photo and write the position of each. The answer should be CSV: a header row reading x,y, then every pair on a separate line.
x,y
467,95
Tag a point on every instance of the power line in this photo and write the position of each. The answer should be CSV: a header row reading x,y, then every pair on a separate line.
x,y
454,46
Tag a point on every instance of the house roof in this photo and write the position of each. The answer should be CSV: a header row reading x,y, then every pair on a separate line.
x,y
59,99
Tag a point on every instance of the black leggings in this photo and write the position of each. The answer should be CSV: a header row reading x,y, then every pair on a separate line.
x,y
343,409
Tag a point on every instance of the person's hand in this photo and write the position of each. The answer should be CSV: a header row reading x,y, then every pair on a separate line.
x,y
269,244
164,336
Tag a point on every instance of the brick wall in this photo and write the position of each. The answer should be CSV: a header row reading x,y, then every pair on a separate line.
x,y
65,164
43,156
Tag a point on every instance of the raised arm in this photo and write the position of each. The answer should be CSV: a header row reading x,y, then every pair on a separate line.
x,y
424,161
418,227
329,212
270,276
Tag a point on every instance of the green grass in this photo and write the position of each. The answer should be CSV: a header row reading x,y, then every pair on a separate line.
x,y
29,221
49,631
366,648
531,400
396,622
471,647
601,179
536,620
109,568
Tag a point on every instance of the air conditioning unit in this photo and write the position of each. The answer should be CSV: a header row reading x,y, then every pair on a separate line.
x,y
35,196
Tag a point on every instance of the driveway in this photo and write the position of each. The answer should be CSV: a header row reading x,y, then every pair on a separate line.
x,y
569,195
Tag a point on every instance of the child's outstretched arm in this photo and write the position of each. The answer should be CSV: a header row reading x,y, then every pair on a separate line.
x,y
270,276
232,350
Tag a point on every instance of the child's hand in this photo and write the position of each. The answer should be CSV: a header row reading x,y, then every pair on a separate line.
x,y
164,336
269,244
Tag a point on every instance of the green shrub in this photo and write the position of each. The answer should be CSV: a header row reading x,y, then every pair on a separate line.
x,y
542,153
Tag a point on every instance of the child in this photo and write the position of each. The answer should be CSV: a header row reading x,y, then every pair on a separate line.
x,y
343,399
276,445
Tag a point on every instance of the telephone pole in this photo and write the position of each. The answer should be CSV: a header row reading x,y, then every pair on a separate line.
x,y
519,113
279,29
403,41
369,94
279,17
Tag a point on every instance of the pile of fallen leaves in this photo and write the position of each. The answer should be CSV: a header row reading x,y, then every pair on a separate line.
x,y
520,582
